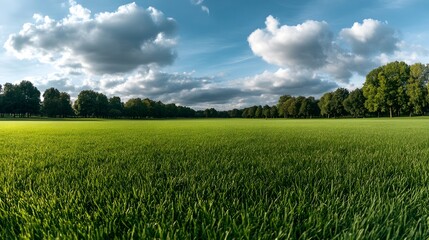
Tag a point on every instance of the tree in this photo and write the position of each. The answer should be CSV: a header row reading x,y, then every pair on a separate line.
x,y
338,97
274,112
374,100
135,108
86,103
298,103
116,107
151,107
393,80
266,111
10,98
28,99
235,113
258,112
245,113
385,88
289,107
65,105
51,102
281,107
101,105
22,99
355,103
309,107
251,112
416,88
325,105
210,113
170,110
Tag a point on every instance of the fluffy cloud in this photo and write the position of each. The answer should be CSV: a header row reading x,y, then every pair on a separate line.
x,y
312,47
285,81
151,83
58,81
306,45
110,42
371,37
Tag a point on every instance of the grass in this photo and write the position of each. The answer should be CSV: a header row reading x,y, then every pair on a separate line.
x,y
215,179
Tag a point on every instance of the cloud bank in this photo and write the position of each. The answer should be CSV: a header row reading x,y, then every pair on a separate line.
x,y
123,52
370,38
315,59
106,43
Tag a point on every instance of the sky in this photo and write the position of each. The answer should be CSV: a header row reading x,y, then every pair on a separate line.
x,y
207,53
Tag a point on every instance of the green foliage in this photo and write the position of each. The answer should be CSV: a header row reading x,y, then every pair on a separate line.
x,y
338,97
416,88
56,103
215,179
374,101
355,103
385,88
325,105
22,99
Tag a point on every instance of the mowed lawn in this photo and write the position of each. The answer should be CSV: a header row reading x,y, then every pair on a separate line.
x,y
215,179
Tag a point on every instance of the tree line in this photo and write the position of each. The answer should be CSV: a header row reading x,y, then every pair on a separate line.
x,y
394,89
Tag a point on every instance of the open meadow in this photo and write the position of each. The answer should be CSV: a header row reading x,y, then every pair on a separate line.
x,y
215,179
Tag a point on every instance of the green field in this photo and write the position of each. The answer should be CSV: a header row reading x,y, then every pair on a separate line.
x,y
215,179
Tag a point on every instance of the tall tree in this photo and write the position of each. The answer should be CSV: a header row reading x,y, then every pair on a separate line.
x,y
51,102
281,107
252,111
309,107
10,98
289,107
274,112
258,112
325,105
355,103
338,97
86,103
66,109
135,108
266,111
116,107
28,98
416,88
374,100
393,79
101,105
299,101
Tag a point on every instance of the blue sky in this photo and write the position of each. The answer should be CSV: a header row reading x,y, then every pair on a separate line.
x,y
207,53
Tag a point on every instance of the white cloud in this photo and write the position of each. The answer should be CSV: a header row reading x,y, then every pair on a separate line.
x,y
287,81
311,46
409,53
305,45
57,80
109,42
371,37
204,8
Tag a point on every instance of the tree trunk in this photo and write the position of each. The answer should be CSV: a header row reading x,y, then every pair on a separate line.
x,y
390,112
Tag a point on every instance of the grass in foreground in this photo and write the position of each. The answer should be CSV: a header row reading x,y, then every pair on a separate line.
x,y
216,179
